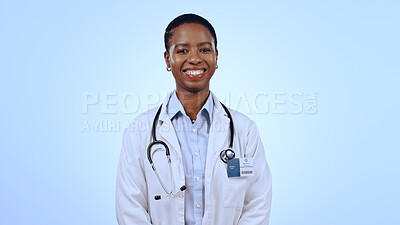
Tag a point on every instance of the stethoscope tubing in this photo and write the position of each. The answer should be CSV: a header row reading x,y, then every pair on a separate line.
x,y
224,155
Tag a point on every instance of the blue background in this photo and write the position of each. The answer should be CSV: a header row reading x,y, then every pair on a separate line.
x,y
337,165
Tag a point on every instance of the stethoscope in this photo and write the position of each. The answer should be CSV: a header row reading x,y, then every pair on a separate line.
x,y
226,154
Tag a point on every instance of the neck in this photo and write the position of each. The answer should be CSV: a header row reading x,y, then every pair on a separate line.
x,y
192,101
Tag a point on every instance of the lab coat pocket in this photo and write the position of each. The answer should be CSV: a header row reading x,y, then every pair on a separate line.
x,y
234,190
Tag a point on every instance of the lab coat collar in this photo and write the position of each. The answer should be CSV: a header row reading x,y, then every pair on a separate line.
x,y
217,141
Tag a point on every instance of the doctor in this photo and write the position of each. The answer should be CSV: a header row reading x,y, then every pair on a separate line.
x,y
206,164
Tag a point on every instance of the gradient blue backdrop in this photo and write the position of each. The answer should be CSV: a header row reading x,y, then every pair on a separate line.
x,y
337,166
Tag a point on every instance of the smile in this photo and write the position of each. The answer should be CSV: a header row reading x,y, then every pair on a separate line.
x,y
194,73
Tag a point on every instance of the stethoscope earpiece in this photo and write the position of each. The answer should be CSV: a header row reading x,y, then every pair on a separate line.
x,y
158,197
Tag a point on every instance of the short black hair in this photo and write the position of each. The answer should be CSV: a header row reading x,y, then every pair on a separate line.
x,y
187,18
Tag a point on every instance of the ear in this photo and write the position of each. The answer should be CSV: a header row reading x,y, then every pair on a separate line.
x,y
166,58
216,54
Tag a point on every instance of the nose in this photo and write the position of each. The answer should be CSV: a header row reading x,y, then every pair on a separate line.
x,y
194,58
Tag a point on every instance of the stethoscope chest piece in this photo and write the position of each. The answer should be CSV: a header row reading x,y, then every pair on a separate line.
x,y
227,154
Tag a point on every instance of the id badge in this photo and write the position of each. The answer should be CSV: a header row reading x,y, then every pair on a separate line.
x,y
240,167
246,167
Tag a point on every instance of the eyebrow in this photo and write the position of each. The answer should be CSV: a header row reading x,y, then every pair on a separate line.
x,y
201,44
182,44
205,43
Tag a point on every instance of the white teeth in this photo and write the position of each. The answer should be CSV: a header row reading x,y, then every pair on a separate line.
x,y
194,72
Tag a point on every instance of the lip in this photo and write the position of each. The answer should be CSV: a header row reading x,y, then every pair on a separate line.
x,y
194,73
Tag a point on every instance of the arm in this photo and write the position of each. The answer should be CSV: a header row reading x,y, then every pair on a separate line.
x,y
131,192
257,205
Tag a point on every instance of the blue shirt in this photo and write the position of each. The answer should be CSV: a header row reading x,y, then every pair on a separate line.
x,y
193,140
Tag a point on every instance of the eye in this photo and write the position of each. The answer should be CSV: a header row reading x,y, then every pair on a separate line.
x,y
182,51
205,50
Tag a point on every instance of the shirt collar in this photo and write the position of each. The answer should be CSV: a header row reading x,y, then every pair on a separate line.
x,y
175,107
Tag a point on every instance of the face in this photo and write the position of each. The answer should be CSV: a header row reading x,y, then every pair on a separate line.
x,y
192,57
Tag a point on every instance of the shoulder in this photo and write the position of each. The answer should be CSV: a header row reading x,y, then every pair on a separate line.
x,y
146,115
142,122
242,122
246,133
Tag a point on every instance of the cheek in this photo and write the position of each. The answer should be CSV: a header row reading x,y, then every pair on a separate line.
x,y
211,60
176,61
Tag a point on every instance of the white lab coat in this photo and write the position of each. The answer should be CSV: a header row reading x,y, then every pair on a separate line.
x,y
243,201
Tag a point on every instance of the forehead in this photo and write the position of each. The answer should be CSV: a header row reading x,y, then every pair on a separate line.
x,y
190,33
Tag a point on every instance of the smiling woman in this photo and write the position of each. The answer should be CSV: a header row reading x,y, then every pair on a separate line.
x,y
191,54
211,156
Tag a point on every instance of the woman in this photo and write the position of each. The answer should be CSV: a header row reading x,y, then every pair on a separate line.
x,y
206,163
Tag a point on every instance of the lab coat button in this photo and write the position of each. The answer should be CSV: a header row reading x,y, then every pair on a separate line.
x,y
197,178
196,153
198,205
194,130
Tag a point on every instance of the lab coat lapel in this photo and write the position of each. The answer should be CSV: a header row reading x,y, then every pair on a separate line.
x,y
218,137
167,134
166,130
